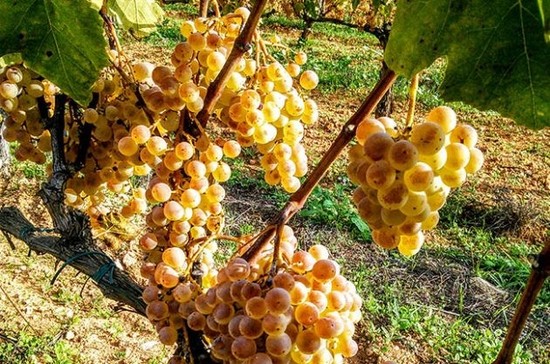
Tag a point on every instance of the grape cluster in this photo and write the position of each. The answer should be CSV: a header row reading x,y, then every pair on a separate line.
x,y
405,178
19,91
305,313
141,123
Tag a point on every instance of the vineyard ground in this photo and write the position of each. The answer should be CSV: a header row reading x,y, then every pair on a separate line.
x,y
449,304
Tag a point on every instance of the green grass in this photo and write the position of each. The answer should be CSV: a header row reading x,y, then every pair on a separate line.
x,y
189,9
167,34
391,315
333,207
470,226
27,348
29,169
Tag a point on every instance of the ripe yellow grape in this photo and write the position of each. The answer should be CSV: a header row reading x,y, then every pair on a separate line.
x,y
458,156
184,151
175,258
140,134
325,270
428,137
380,175
419,177
197,41
274,324
393,197
368,127
195,169
392,217
329,327
431,221
403,155
435,161
410,244
453,178
464,134
8,90
293,69
90,115
173,211
308,342
300,58
306,313
377,146
127,146
309,80
475,162
156,145
215,61
444,116
243,348
196,321
161,192
256,307
278,345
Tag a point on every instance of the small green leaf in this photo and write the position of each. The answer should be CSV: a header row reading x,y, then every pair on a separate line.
x,y
139,16
60,40
497,56
361,226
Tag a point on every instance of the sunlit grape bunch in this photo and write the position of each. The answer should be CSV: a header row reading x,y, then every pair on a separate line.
x,y
19,90
304,312
405,179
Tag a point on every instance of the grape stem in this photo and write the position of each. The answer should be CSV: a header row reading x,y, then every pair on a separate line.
x,y
299,198
539,272
203,8
413,88
241,46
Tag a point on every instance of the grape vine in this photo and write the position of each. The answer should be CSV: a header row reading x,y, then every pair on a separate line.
x,y
272,302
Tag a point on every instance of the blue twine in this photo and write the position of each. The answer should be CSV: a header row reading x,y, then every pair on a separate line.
x,y
106,269
26,231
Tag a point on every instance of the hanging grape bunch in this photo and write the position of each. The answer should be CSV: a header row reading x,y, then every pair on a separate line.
x,y
142,121
405,178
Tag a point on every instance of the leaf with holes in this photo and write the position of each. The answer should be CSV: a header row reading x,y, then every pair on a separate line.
x,y
138,16
497,56
60,40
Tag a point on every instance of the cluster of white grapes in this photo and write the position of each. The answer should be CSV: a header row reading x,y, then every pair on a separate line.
x,y
19,90
142,122
404,179
305,313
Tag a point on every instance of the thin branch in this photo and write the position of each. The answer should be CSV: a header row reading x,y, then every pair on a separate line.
x,y
539,272
241,46
298,199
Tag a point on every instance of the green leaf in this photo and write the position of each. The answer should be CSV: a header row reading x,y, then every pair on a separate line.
x,y
544,8
139,16
361,226
58,39
496,52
